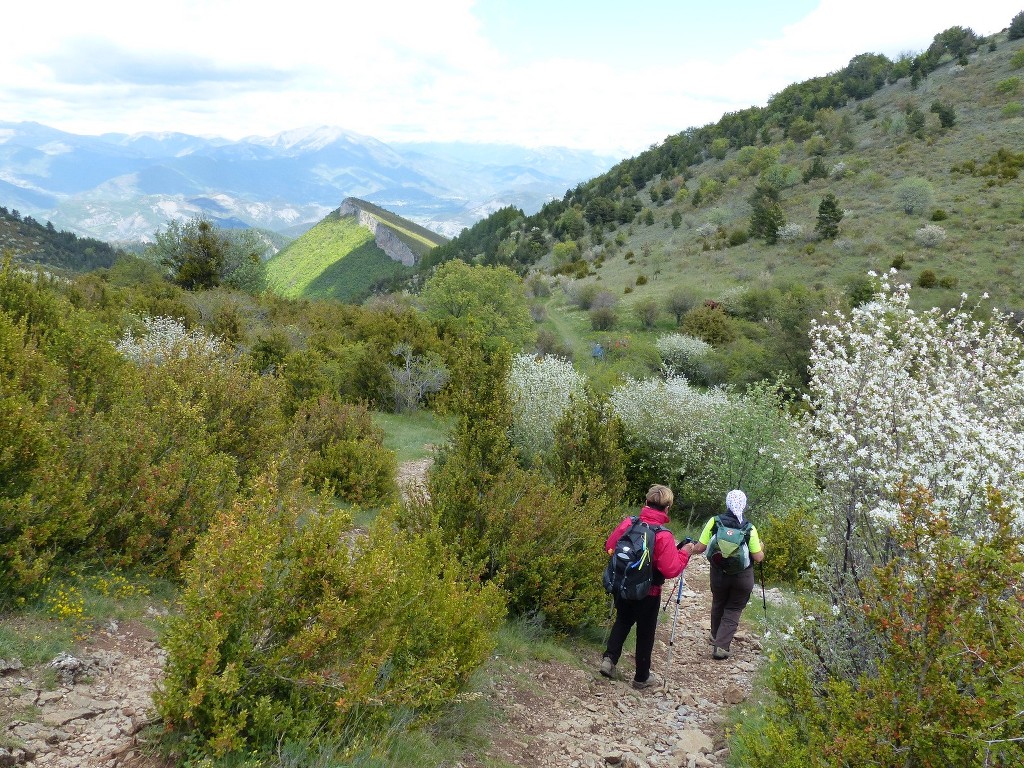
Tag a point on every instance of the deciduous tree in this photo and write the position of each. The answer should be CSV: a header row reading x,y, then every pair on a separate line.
x,y
488,301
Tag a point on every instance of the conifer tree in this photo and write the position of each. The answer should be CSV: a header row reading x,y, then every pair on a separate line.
x,y
766,216
829,216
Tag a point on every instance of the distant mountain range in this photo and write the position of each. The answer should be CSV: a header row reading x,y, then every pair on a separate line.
x,y
122,188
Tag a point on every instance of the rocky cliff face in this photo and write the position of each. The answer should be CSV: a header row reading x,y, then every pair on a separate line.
x,y
383,235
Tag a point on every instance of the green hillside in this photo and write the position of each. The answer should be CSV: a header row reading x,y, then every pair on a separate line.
x,y
31,241
339,258
335,259
946,126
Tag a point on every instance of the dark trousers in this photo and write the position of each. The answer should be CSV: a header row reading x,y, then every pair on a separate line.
x,y
643,613
729,596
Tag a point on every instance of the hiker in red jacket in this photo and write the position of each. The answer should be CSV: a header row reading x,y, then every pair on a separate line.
x,y
668,563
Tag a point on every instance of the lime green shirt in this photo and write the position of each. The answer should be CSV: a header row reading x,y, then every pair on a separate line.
x,y
753,543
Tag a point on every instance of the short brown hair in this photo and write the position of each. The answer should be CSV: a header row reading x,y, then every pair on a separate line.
x,y
660,497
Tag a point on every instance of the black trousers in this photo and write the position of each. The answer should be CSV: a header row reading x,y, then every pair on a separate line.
x,y
643,613
729,596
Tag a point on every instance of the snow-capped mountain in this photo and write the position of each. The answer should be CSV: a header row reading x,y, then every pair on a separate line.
x,y
126,187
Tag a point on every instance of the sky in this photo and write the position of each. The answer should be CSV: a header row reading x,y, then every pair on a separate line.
x,y
611,77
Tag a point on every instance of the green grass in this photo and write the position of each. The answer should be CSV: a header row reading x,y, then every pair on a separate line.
x,y
70,606
335,259
33,638
522,640
412,435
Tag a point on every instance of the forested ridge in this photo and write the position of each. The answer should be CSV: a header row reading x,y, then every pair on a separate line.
x,y
43,244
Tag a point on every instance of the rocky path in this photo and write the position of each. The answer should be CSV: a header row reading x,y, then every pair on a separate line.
x,y
561,715
87,711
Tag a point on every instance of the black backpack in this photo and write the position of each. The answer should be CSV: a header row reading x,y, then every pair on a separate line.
x,y
630,572
728,549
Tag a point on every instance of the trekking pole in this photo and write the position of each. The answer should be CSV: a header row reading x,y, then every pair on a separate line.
x,y
611,610
675,618
680,580
668,595
764,599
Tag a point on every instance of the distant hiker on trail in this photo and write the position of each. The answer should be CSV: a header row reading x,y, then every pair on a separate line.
x,y
732,547
642,555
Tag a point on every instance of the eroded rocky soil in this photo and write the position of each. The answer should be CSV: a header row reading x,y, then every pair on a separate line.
x,y
87,708
561,715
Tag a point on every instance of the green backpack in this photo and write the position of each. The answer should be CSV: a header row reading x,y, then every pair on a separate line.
x,y
728,549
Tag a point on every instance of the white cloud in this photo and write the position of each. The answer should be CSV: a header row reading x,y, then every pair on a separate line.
x,y
398,68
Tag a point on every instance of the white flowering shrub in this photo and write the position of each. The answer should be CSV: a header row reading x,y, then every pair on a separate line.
x,y
540,391
707,229
838,170
704,443
682,355
662,424
930,235
915,425
900,398
166,339
791,233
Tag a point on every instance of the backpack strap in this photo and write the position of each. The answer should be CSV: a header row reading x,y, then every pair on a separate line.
x,y
746,527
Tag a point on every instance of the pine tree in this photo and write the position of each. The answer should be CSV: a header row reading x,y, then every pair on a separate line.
x,y
766,216
829,216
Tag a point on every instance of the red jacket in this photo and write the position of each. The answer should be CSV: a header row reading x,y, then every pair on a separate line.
x,y
668,560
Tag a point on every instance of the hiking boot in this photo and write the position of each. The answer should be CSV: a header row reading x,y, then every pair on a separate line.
x,y
719,653
650,682
607,667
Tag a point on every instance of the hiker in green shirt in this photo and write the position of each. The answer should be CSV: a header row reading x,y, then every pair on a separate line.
x,y
732,546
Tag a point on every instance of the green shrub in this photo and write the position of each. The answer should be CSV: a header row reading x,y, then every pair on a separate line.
x,y
604,318
288,633
948,281
346,451
792,541
118,463
1008,87
815,169
738,237
939,215
927,279
550,343
509,524
29,537
641,279
269,350
709,323
546,567
1017,60
914,195
1012,109
899,261
647,312
588,454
